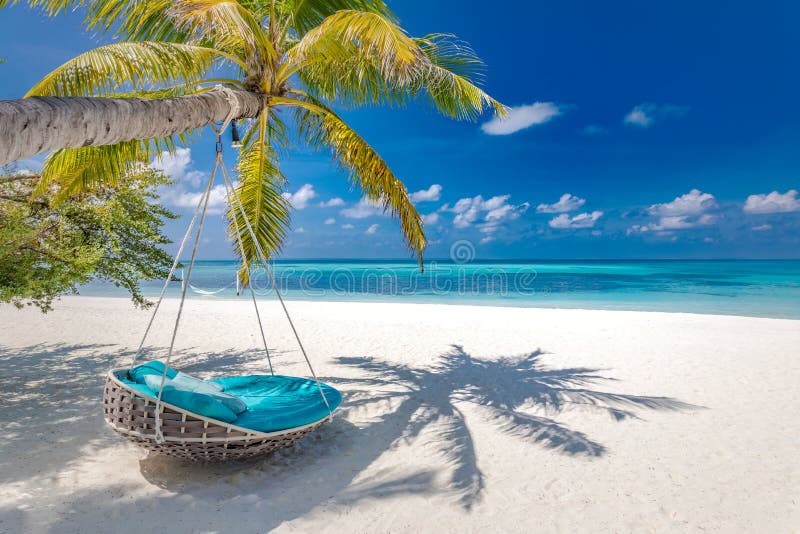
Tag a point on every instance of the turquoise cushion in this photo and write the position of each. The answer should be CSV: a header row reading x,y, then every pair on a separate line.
x,y
192,401
274,403
279,402
212,390
154,367
191,383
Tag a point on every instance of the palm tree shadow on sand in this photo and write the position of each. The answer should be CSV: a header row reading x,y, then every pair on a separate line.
x,y
505,389
428,402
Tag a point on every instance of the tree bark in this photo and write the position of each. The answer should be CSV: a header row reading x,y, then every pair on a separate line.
x,y
37,124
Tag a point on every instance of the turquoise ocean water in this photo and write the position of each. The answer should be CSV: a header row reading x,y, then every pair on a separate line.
x,y
734,287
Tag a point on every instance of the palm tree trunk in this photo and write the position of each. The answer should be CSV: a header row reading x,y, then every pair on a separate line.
x,y
37,124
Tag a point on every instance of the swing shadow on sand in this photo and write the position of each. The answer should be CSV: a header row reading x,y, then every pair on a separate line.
x,y
519,395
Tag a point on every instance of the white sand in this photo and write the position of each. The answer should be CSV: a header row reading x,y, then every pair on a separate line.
x,y
463,419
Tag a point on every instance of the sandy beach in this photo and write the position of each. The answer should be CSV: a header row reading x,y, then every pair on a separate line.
x,y
475,419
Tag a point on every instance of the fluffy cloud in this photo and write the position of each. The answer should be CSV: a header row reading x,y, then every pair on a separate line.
x,y
363,209
190,199
494,211
522,117
330,220
300,198
178,166
332,203
432,194
566,203
431,218
773,202
763,228
684,212
487,239
645,115
372,229
581,220
694,202
347,226
668,224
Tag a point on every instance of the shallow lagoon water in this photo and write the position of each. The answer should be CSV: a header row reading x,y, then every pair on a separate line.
x,y
761,288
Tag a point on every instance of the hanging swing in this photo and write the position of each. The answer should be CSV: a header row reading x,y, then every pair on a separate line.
x,y
172,413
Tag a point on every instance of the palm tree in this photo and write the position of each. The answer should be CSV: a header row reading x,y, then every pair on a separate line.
x,y
184,64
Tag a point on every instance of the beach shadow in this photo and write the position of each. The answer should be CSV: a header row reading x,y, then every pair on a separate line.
x,y
518,394
54,392
509,392
386,406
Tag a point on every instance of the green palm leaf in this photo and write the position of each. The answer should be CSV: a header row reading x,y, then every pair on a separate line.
x,y
139,64
323,128
307,14
260,191
79,170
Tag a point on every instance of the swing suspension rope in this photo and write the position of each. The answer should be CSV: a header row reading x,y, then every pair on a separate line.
x,y
200,211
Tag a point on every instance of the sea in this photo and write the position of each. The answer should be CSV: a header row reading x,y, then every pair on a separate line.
x,y
758,288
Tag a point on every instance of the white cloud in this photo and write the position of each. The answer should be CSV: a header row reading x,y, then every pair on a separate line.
x,y
566,203
582,220
684,212
762,228
177,166
332,203
431,218
487,239
674,222
645,115
300,198
639,117
694,202
774,202
330,220
432,194
372,229
347,226
494,210
300,230
522,117
363,209
188,199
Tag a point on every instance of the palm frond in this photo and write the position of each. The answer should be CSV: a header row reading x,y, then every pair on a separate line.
x,y
136,20
51,7
323,128
389,49
116,66
84,169
225,22
334,64
307,14
260,191
449,79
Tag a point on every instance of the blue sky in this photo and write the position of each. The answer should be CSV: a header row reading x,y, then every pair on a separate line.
x,y
638,130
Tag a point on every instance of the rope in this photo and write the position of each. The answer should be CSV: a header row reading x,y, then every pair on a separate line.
x,y
159,437
208,292
233,104
166,284
262,258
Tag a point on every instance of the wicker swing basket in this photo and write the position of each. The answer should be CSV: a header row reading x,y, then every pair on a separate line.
x,y
186,435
